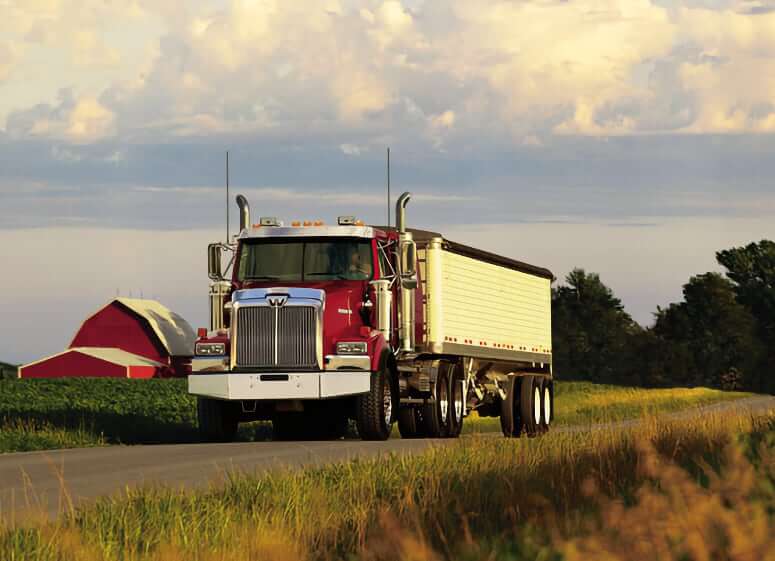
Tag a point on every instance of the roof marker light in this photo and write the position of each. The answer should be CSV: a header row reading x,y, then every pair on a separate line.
x,y
346,220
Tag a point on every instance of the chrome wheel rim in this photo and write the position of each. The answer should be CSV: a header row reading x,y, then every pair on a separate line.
x,y
457,394
537,405
443,402
547,405
387,402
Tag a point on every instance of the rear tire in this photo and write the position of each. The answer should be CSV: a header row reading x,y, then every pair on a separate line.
x,y
217,419
436,414
376,410
530,405
410,423
511,420
547,404
457,401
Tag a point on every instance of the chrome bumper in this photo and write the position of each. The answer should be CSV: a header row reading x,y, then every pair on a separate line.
x,y
279,385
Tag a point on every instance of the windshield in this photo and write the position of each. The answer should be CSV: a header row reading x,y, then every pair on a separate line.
x,y
305,260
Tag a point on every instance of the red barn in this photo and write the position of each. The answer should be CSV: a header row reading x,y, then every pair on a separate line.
x,y
128,337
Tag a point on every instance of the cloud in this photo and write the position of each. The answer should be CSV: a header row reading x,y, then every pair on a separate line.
x,y
8,57
73,119
438,72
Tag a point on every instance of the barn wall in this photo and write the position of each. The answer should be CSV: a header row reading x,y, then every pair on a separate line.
x,y
73,363
115,326
143,372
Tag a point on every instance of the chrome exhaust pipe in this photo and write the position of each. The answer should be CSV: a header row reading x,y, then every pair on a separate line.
x,y
244,212
401,212
406,304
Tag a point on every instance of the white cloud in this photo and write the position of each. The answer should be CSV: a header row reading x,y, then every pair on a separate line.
x,y
437,71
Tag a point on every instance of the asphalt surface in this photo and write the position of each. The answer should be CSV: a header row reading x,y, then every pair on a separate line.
x,y
47,483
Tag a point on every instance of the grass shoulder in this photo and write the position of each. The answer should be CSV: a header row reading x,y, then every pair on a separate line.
x,y
604,494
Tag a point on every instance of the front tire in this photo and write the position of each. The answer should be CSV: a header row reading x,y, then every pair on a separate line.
x,y
217,419
375,411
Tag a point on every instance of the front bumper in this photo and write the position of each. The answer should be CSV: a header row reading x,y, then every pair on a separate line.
x,y
279,385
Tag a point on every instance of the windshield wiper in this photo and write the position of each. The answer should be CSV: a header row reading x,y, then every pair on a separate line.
x,y
262,278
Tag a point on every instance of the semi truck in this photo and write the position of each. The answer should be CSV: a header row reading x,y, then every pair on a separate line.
x,y
315,325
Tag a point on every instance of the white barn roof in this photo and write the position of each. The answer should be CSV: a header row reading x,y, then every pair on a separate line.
x,y
173,331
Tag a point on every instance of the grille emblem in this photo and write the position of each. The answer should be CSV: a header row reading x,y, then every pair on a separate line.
x,y
277,301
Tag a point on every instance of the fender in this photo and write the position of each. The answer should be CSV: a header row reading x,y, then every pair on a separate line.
x,y
378,346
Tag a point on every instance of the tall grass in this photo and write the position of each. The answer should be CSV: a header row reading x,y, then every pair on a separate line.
x,y
598,494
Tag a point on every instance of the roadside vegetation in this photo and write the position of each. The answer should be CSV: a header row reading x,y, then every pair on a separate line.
x,y
699,489
74,412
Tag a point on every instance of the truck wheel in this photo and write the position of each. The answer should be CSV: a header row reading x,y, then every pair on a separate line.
x,y
547,404
217,419
436,414
410,423
530,404
376,410
457,401
511,420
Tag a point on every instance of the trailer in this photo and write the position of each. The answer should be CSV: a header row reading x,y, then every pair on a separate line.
x,y
321,324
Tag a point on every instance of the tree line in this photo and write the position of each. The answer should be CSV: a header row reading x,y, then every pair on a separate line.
x,y
722,334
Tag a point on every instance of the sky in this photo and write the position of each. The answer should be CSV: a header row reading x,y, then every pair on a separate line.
x,y
633,138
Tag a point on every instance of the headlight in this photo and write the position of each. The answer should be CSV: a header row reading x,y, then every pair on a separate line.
x,y
209,349
352,348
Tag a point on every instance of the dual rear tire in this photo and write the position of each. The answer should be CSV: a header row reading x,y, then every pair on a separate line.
x,y
442,415
528,406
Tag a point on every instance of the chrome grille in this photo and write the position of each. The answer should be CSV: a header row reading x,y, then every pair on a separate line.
x,y
284,336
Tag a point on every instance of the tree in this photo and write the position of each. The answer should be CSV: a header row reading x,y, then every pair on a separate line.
x,y
716,330
752,269
590,329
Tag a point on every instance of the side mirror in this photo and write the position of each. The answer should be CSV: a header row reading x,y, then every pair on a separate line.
x,y
214,261
409,264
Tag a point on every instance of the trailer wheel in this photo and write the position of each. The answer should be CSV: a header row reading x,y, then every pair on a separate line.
x,y
376,410
547,404
511,420
530,404
457,401
410,423
217,419
436,414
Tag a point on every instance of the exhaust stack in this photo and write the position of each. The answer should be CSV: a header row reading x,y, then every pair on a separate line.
x,y
244,212
406,270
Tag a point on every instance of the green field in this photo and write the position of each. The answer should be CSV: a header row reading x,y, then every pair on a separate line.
x,y
699,489
61,413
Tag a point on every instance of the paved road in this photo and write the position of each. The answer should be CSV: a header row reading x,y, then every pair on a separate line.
x,y
34,482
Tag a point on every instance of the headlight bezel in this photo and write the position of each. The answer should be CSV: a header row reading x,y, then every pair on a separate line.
x,y
352,348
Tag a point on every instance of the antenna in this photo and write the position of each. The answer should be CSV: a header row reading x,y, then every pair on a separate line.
x,y
227,196
388,185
